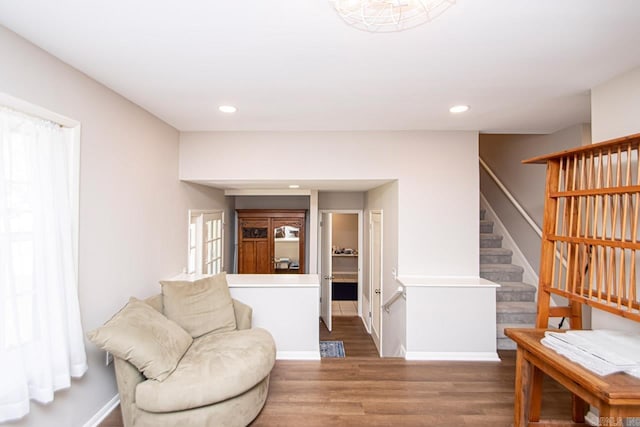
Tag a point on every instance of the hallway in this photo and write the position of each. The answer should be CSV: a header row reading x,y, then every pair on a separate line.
x,y
351,331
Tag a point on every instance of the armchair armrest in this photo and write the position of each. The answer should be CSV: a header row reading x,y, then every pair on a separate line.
x,y
243,314
127,377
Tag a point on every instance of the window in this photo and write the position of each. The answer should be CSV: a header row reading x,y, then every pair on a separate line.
x,y
41,341
206,242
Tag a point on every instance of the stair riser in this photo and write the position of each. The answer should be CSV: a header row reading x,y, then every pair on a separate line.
x,y
490,242
516,296
502,276
486,228
495,259
525,318
506,344
482,213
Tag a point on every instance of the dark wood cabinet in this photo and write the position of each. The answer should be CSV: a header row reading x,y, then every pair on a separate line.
x,y
271,241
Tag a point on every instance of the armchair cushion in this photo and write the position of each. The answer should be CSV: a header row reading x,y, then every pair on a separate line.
x,y
200,307
141,335
217,367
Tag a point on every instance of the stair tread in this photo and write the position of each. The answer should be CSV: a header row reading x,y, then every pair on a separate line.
x,y
486,221
528,307
495,251
490,268
515,287
490,236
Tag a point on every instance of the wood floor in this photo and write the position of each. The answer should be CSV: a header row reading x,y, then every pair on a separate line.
x,y
350,330
363,389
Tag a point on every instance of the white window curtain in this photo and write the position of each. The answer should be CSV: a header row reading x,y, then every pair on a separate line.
x,y
41,340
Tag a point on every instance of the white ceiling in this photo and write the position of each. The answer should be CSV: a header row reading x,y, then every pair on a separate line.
x,y
523,66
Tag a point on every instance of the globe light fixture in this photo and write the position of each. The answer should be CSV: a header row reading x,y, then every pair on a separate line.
x,y
389,15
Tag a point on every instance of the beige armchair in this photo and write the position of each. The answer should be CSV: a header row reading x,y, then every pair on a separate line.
x,y
222,380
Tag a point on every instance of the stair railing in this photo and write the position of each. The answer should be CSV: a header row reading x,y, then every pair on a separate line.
x,y
518,206
400,292
509,196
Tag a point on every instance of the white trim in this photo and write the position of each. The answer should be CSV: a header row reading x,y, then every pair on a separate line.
x,y
530,276
365,323
371,254
312,237
104,412
445,282
473,356
298,355
260,192
403,351
35,110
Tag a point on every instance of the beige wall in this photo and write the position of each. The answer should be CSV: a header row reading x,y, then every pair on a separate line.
x,y
430,207
437,175
344,230
385,198
340,200
615,112
504,154
615,107
133,209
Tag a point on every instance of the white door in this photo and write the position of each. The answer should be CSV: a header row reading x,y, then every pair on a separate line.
x,y
375,226
326,275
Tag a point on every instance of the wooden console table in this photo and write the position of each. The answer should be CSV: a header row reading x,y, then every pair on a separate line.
x,y
589,256
616,396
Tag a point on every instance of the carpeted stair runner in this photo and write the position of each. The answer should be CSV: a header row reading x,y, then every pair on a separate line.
x,y
515,301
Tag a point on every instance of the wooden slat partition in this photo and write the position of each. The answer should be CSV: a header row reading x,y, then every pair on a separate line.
x,y
591,222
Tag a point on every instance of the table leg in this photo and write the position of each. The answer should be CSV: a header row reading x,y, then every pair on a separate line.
x,y
578,409
536,395
524,378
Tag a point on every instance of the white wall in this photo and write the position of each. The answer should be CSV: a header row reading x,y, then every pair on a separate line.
x,y
615,112
436,173
133,209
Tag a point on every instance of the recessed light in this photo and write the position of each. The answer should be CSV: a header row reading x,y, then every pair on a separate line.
x,y
227,109
294,186
459,109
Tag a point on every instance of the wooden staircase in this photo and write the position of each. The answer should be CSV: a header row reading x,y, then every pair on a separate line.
x,y
515,300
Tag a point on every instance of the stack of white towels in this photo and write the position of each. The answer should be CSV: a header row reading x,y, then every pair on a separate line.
x,y
603,352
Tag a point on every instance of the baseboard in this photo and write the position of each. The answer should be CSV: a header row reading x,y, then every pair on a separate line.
x,y
99,416
298,355
403,351
470,356
366,327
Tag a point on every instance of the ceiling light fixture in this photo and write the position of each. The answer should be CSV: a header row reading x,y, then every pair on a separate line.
x,y
227,109
294,186
459,109
385,16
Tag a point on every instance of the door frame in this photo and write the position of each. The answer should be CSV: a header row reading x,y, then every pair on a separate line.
x,y
371,287
360,214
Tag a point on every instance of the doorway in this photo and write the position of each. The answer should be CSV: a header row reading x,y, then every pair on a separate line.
x,y
341,264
